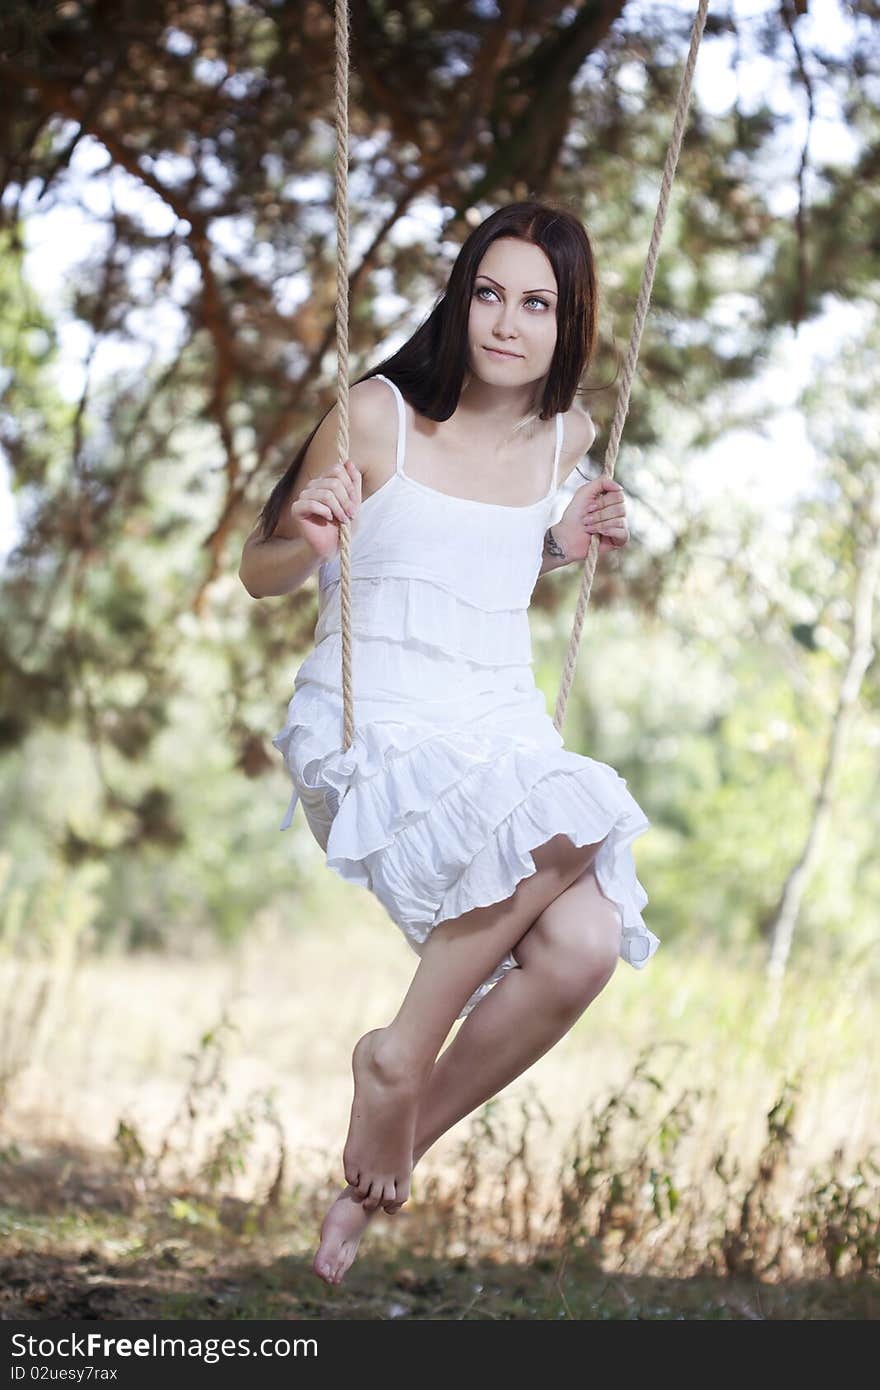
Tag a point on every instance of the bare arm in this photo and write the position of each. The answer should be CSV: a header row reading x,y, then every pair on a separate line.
x,y
554,554
580,432
278,565
287,559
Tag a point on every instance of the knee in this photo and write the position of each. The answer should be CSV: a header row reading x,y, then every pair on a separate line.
x,y
580,978
574,971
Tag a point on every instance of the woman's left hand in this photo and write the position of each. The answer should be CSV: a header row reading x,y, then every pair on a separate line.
x,y
597,509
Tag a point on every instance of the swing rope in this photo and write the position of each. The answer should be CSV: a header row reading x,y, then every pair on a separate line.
x,y
641,313
342,353
623,396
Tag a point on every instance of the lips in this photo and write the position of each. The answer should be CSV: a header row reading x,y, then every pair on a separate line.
x,y
499,352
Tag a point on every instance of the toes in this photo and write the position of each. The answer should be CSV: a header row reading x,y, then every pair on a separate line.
x,y
389,1196
360,1187
396,1195
372,1200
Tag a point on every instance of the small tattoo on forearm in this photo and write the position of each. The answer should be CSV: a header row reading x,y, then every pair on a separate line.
x,y
552,546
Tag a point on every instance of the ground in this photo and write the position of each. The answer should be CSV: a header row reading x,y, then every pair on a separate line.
x,y
80,1242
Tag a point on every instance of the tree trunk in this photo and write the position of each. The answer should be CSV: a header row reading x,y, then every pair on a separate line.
x,y
781,923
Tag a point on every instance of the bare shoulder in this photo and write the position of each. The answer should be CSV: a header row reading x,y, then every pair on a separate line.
x,y
370,400
373,415
372,420
371,410
579,435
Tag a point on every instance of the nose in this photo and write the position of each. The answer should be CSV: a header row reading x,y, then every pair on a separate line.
x,y
505,323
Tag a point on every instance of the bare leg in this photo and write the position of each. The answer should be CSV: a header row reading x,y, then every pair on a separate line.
x,y
391,1065
566,958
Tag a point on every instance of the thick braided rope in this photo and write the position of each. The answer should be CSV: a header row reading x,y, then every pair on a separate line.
x,y
342,437
641,313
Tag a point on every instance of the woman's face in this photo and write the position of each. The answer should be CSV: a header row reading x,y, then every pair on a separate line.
x,y
513,308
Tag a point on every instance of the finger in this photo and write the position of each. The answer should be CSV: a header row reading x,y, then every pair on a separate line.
x,y
342,474
339,491
305,506
352,479
608,494
609,527
341,487
605,511
329,497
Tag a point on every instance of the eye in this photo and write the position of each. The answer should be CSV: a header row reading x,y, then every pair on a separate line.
x,y
533,299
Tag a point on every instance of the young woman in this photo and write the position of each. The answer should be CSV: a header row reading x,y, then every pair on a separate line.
x,y
504,857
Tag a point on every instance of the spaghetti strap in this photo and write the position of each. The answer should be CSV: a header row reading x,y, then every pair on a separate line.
x,y
401,435
401,422
560,433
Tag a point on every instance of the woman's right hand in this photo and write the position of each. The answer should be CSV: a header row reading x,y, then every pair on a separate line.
x,y
324,504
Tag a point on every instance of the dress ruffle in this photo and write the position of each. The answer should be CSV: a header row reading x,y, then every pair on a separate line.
x,y
417,611
376,806
419,683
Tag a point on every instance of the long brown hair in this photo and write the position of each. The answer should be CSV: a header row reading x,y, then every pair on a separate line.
x,y
430,367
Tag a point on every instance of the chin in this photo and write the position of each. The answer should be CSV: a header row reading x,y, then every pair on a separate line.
x,y
508,365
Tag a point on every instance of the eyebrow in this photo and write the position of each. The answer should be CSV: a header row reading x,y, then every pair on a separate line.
x,y
483,276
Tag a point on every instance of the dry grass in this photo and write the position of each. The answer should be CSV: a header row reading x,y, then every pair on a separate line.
x,y
667,1135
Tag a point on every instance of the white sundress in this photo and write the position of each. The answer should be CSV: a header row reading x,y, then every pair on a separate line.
x,y
456,771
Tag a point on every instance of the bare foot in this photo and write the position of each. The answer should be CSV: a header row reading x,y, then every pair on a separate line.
x,y
342,1228
377,1158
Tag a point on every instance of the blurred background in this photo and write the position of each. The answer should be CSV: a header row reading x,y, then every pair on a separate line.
x,y
180,984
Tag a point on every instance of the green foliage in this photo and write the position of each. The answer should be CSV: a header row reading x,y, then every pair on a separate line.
x,y
139,685
840,1218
